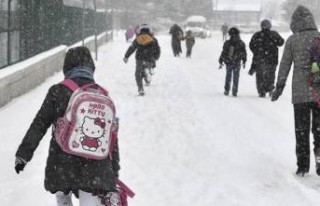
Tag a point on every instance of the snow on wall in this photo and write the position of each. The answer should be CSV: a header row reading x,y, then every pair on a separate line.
x,y
20,78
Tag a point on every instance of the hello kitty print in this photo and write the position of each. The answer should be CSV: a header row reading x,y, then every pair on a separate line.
x,y
89,118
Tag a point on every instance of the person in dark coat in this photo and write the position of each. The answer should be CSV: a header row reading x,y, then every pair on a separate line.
x,y
176,37
233,53
147,53
190,41
306,112
264,46
66,173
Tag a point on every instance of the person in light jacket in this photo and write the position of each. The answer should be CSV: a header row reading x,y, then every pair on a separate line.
x,y
306,112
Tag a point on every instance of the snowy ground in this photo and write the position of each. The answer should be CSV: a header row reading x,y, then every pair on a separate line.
x,y
184,143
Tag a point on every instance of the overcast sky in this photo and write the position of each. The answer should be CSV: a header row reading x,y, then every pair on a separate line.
x,y
242,1
238,1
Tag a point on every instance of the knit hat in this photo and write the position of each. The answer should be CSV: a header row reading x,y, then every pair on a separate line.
x,y
266,24
144,28
233,31
78,57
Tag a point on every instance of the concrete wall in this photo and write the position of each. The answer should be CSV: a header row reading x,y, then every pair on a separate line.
x,y
26,75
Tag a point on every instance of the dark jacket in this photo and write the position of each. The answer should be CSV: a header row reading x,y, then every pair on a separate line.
x,y
176,37
146,47
176,32
297,52
264,46
234,51
190,40
66,172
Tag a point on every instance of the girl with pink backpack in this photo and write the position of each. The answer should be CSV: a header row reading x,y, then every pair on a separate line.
x,y
65,174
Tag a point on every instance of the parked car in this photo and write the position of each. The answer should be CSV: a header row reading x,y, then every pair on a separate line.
x,y
198,26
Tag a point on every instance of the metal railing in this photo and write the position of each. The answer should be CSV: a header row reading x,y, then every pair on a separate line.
x,y
29,27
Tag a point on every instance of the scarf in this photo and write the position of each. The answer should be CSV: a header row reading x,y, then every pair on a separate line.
x,y
80,72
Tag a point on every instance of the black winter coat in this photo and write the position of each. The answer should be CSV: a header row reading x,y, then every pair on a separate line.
x,y
176,37
234,51
66,172
147,48
264,46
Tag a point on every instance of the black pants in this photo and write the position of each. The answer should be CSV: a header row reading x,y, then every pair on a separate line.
x,y
140,72
189,51
265,77
304,114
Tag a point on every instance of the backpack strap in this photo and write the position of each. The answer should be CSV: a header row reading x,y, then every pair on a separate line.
x,y
125,188
114,136
70,84
104,91
74,86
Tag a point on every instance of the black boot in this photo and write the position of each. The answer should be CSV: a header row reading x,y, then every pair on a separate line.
x,y
301,171
317,156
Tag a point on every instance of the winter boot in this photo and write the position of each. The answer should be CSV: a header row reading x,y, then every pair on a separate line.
x,y
270,93
262,95
226,93
317,157
141,92
301,171
318,165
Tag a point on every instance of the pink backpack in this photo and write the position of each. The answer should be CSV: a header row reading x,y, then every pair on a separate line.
x,y
88,127
119,197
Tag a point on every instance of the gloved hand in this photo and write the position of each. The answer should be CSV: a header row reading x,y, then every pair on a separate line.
x,y
277,93
251,72
20,163
243,65
221,66
125,60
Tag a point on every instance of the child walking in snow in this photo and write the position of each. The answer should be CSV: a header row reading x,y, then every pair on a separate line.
x,y
233,53
147,53
190,41
68,174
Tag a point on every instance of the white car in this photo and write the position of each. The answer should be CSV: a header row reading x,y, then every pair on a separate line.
x,y
197,24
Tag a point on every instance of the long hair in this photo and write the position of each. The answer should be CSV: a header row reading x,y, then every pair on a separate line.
x,y
77,57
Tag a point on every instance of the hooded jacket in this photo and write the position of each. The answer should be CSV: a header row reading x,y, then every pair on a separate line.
x,y
65,172
234,51
147,48
264,46
297,51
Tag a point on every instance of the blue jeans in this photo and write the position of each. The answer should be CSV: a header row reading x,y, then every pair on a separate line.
x,y
235,72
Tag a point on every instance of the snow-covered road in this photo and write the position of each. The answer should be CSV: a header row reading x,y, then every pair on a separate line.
x,y
184,143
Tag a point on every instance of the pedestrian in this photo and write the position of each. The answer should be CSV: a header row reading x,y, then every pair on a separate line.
x,y
67,174
224,31
176,37
264,46
190,41
306,112
233,53
129,33
147,53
